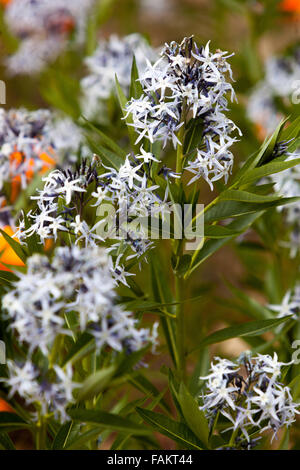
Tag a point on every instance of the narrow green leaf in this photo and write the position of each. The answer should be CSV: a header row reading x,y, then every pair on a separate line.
x,y
136,89
268,169
193,135
150,305
83,346
15,246
219,231
128,361
123,101
140,382
95,383
109,158
264,153
201,369
5,442
179,432
61,90
211,246
285,440
292,131
269,154
147,306
245,196
107,421
62,435
81,441
194,417
227,209
254,328
174,389
120,442
111,144
100,14
8,276
9,421
162,294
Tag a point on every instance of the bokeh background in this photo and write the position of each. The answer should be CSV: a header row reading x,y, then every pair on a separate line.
x,y
254,31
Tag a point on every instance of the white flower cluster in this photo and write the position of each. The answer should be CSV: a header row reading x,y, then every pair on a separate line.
x,y
77,280
51,392
44,28
130,190
249,395
59,207
129,193
281,77
31,141
290,305
113,57
188,82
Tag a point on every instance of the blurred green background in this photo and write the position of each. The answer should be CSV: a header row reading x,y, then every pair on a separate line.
x,y
253,30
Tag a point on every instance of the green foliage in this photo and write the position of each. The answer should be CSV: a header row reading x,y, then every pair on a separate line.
x,y
246,329
117,399
108,421
179,432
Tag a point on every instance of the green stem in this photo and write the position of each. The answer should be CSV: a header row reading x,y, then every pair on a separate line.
x,y
233,437
179,282
41,434
179,155
55,351
180,327
179,158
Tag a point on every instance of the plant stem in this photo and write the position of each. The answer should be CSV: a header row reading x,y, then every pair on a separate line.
x,y
41,434
179,155
180,327
233,437
55,351
179,281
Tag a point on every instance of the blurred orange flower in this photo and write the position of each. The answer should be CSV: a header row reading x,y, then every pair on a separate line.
x,y
292,8
5,407
4,2
7,254
16,159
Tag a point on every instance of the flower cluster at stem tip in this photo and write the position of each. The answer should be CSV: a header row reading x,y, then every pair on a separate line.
x,y
188,84
248,394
